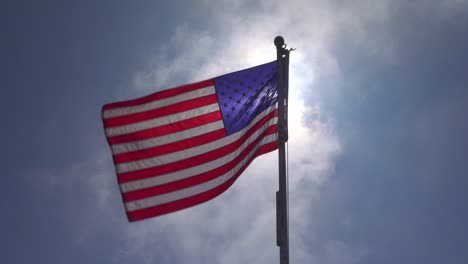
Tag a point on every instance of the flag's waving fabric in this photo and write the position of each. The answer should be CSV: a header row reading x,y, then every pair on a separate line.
x,y
183,146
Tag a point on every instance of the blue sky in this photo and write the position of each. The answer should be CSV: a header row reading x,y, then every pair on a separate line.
x,y
377,151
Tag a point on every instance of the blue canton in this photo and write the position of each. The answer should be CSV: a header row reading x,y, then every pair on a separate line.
x,y
244,94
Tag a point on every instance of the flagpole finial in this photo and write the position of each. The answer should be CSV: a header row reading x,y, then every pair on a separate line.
x,y
279,42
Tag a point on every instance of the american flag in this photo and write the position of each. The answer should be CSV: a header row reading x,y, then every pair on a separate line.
x,y
183,146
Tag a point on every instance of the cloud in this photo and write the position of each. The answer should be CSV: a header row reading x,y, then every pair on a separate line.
x,y
376,150
239,226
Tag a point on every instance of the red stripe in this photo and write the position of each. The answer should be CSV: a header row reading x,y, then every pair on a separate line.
x,y
160,112
171,147
184,164
166,129
159,95
197,160
194,180
196,199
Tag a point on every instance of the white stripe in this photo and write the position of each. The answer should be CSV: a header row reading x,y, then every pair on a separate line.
x,y
191,152
186,173
160,121
197,189
158,103
195,151
166,139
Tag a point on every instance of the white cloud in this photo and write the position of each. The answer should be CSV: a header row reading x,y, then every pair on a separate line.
x,y
239,226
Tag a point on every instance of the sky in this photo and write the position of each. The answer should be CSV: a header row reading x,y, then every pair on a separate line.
x,y
378,134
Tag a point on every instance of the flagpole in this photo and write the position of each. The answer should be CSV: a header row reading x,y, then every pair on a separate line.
x,y
282,233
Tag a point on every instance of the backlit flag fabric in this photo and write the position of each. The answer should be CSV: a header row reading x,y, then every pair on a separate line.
x,y
184,146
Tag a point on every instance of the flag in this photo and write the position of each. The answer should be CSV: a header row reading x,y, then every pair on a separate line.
x,y
183,146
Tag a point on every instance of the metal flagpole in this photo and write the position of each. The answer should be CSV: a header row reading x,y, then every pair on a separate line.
x,y
282,233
